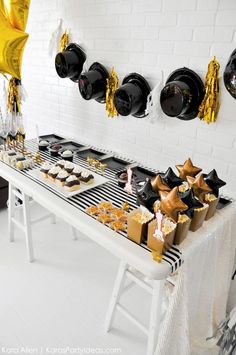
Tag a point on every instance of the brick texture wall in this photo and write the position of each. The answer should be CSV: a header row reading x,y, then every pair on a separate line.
x,y
145,36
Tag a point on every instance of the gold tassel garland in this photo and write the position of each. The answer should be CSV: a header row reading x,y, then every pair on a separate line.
x,y
209,106
112,85
13,95
64,41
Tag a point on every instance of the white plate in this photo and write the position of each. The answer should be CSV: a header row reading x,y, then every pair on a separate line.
x,y
98,180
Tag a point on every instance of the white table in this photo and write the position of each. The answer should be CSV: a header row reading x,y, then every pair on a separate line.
x,y
132,256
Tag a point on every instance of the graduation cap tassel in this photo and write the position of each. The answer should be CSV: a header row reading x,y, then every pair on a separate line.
x,y
209,106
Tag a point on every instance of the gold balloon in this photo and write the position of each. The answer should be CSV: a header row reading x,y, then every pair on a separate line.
x,y
158,184
172,204
199,186
187,169
12,44
17,12
2,7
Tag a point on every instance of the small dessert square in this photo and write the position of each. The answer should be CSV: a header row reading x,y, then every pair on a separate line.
x,y
69,167
61,177
61,163
53,172
72,183
77,171
86,177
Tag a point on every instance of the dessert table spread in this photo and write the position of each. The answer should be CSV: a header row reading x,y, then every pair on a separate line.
x,y
207,243
72,210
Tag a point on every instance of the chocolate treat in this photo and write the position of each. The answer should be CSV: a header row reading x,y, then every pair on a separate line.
x,y
45,169
61,163
54,149
69,167
11,154
86,177
61,177
53,172
20,158
77,171
72,183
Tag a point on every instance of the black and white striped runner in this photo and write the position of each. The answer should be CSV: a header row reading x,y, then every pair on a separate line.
x,y
107,192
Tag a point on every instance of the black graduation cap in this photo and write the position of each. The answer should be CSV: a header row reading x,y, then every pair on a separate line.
x,y
69,63
92,84
131,97
182,94
230,75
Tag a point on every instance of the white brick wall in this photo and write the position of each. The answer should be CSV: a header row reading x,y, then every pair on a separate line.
x,y
135,35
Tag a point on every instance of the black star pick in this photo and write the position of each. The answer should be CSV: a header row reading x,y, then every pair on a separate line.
x,y
145,195
171,179
214,182
189,199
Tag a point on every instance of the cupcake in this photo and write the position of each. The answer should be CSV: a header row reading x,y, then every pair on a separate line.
x,y
54,149
77,171
69,167
61,163
72,183
61,177
86,177
53,172
67,155
43,145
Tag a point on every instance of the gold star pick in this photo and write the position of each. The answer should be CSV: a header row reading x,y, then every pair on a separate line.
x,y
158,184
171,205
187,169
200,188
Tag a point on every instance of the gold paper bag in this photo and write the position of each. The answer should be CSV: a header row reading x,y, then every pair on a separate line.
x,y
136,230
182,231
198,218
156,244
212,208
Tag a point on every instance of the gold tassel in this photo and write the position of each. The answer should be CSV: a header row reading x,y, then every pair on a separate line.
x,y
209,106
64,41
13,95
112,85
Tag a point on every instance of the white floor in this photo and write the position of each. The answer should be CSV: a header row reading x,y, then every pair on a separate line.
x,y
61,299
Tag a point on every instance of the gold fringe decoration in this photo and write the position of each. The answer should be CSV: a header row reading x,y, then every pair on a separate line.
x,y
112,85
209,106
13,95
64,41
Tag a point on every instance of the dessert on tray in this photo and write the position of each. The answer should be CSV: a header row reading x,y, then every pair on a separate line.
x,y
66,175
72,183
86,177
62,177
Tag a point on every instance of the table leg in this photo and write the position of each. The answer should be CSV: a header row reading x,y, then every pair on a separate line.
x,y
115,295
155,316
11,207
28,231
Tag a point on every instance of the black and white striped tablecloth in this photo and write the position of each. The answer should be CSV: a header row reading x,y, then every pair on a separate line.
x,y
107,192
